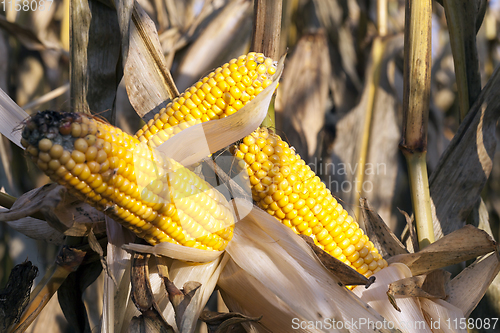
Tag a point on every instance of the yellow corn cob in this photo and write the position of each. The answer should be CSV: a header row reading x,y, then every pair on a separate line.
x,y
284,186
151,195
218,95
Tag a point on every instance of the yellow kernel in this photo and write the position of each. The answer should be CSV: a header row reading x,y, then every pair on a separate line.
x,y
235,92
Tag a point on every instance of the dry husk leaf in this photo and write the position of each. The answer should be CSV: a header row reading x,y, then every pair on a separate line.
x,y
344,273
431,285
27,38
455,186
175,251
409,316
303,94
11,116
464,244
64,214
479,275
296,284
441,315
379,233
147,78
117,282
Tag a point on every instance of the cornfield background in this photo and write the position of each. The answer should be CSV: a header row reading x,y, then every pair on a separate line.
x,y
326,90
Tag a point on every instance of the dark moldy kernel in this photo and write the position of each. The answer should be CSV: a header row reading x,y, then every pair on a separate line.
x,y
47,124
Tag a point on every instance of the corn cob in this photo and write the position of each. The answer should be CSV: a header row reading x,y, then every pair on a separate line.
x,y
150,194
218,95
284,186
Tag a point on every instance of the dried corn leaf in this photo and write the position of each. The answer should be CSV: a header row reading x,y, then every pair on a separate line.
x,y
461,21
302,98
479,275
379,233
27,37
295,281
117,282
206,274
225,37
198,141
223,322
464,244
70,295
124,10
79,36
455,185
431,285
344,273
382,166
175,251
149,322
332,15
102,58
141,293
63,212
243,293
400,310
147,78
440,314
11,116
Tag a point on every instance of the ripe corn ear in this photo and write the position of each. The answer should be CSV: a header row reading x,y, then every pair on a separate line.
x,y
284,186
150,194
218,95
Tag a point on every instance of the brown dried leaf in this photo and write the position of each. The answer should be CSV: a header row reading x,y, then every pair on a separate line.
x,y
181,301
64,213
302,98
27,37
479,275
149,322
79,27
102,55
142,294
344,273
383,166
225,37
435,282
147,78
429,286
464,244
464,167
379,233
226,322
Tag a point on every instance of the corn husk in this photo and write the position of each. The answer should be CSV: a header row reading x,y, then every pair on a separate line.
x,y
11,116
408,314
461,245
480,275
296,284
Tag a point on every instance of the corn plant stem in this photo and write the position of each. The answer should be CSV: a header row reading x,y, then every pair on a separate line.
x,y
266,37
419,187
417,75
382,17
460,17
377,53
